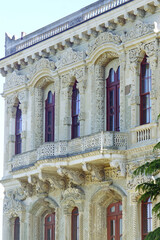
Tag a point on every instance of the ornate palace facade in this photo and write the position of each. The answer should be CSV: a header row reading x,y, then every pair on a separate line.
x,y
81,105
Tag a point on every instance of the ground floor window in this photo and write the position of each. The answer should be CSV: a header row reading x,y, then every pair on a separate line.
x,y
50,227
146,218
114,221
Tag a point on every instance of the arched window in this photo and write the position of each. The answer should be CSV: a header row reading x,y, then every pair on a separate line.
x,y
50,227
114,221
75,224
146,208
49,117
113,100
16,229
75,112
18,130
145,88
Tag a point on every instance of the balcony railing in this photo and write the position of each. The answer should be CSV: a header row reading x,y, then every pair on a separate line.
x,y
90,13
99,141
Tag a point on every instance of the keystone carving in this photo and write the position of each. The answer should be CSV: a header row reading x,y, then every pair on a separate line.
x,y
75,176
55,181
96,172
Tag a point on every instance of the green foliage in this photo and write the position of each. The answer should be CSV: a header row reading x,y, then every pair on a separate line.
x,y
155,235
149,168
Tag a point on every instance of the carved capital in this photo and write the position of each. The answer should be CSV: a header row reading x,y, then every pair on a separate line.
x,y
75,176
96,171
55,181
40,186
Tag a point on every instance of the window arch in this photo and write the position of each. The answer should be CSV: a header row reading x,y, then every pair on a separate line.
x,y
114,221
18,130
146,208
50,227
16,229
145,88
75,224
113,100
75,112
49,117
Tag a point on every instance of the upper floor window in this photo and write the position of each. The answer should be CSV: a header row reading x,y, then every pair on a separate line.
x,y
146,218
50,227
113,100
145,88
114,221
75,112
16,229
49,117
75,224
18,130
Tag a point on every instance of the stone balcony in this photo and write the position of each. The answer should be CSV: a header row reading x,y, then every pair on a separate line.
x,y
64,149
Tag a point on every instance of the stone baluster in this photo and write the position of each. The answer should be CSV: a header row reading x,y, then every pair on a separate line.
x,y
38,123
100,98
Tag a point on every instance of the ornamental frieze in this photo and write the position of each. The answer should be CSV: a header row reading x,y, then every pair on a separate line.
x,y
138,180
69,56
40,65
14,80
138,30
103,38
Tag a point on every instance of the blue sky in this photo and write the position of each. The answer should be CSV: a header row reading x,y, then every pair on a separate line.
x,y
27,16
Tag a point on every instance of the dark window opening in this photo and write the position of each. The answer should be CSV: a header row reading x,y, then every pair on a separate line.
x,y
75,224
18,131
49,117
75,112
16,229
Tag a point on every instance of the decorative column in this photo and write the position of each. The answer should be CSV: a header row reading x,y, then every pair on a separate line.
x,y
23,232
122,64
67,217
81,87
80,225
135,218
67,121
8,227
38,123
100,98
11,140
29,233
23,107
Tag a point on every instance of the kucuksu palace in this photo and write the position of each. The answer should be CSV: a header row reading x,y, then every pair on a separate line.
x,y
81,106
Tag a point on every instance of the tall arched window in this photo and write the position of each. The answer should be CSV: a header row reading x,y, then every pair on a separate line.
x,y
49,117
75,112
75,224
18,130
145,88
50,227
113,100
146,218
114,221
16,229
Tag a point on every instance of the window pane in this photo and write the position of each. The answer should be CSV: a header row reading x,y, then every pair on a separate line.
x,y
112,209
113,228
120,226
112,75
120,207
49,234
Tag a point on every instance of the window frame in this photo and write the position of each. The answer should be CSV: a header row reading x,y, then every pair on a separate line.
x,y
147,202
18,130
113,86
75,111
17,228
75,224
144,95
50,108
49,225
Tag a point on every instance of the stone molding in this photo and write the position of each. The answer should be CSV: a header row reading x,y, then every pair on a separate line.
x,y
14,80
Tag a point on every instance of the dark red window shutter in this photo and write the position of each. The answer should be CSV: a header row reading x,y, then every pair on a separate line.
x,y
75,112
113,100
50,227
16,229
146,208
18,131
49,117
114,221
75,224
145,88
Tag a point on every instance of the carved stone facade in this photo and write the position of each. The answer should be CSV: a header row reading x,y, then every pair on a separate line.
x,y
94,170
